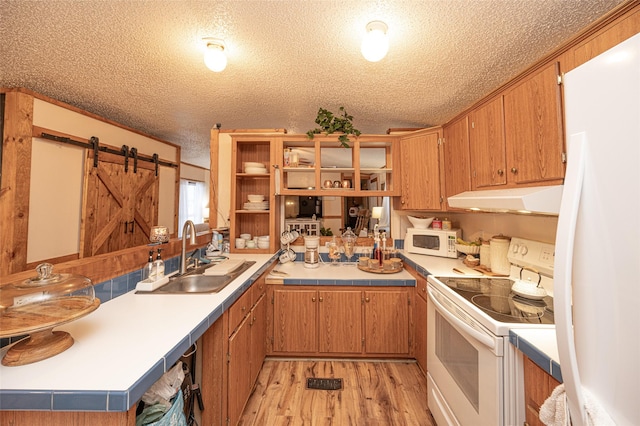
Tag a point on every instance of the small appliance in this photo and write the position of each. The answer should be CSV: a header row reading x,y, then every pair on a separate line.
x,y
434,242
311,251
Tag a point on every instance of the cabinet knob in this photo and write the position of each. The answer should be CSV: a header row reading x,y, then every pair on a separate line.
x,y
321,299
366,299
313,299
244,308
500,172
514,170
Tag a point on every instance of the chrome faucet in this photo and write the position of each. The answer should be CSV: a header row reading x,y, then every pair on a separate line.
x,y
188,226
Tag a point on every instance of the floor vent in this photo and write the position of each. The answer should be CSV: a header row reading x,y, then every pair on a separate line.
x,y
324,384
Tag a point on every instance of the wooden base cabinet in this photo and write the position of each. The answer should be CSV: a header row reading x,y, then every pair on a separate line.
x,y
420,323
246,348
348,322
538,385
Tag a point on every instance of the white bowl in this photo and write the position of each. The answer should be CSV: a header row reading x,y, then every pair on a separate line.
x,y
263,244
256,170
420,222
263,238
245,236
254,198
252,164
241,243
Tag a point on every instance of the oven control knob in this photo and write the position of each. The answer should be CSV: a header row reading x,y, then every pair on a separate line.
x,y
524,250
515,248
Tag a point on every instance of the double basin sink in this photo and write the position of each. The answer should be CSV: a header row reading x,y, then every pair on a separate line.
x,y
196,282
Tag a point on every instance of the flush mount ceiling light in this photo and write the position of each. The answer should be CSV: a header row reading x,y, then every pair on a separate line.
x,y
214,56
375,43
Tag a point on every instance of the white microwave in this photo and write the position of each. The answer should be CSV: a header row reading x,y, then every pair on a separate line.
x,y
434,242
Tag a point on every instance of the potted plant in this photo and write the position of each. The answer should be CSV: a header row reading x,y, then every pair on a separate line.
x,y
330,123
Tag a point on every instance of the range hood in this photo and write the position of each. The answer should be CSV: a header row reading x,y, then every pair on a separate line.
x,y
534,199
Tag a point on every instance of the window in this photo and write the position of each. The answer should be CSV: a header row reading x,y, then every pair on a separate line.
x,y
193,199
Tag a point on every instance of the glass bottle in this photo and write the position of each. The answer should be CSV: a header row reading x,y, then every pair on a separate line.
x,y
159,266
148,271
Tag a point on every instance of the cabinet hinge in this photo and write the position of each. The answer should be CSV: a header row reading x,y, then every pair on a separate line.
x,y
362,300
564,157
363,341
409,300
560,79
228,357
441,199
272,299
440,141
473,124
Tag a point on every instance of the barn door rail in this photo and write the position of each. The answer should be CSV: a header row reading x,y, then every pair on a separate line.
x,y
94,144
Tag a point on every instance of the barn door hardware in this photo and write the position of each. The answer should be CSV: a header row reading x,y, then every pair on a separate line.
x,y
94,144
134,154
125,152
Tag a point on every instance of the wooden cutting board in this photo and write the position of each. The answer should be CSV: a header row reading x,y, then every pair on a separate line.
x,y
488,272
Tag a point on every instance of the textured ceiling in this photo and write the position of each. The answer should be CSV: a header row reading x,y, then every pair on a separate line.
x,y
140,62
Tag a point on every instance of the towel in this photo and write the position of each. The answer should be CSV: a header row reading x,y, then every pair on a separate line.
x,y
555,411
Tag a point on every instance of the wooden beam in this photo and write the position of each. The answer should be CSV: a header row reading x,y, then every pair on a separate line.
x,y
16,178
214,158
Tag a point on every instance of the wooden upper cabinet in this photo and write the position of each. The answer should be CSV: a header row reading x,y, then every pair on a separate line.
x,y
533,129
420,171
487,145
456,157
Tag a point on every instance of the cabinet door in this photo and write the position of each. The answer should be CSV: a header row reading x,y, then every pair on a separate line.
x,y
457,177
295,322
487,145
538,385
239,380
533,128
340,315
258,346
387,322
420,327
420,169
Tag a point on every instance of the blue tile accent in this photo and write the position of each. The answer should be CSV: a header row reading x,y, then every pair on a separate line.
x,y
119,286
25,400
537,356
140,387
176,352
80,401
103,291
118,401
200,329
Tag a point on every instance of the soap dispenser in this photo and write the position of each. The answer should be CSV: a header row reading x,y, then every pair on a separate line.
x,y
159,266
148,271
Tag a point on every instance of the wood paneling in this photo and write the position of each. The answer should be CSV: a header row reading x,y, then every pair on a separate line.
x,y
538,386
386,322
295,325
64,418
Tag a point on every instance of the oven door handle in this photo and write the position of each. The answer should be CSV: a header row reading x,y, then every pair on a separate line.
x,y
480,337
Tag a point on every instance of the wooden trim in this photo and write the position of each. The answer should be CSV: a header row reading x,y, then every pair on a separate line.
x,y
54,260
257,131
83,112
214,159
107,266
65,418
16,181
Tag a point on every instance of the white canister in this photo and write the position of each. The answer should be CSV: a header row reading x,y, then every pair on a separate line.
x,y
499,246
485,254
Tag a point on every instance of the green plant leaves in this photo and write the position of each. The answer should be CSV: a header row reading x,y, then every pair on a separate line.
x,y
330,123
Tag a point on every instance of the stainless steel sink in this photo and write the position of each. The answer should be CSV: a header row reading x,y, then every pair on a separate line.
x,y
195,282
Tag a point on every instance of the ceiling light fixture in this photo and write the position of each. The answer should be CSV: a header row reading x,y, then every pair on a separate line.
x,y
214,57
375,43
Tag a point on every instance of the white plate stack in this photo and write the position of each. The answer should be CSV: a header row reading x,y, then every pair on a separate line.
x,y
262,205
254,168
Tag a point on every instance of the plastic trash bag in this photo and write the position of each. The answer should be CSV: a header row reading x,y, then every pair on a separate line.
x,y
166,387
173,417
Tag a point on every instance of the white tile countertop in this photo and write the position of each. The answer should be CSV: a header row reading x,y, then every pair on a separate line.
x,y
120,349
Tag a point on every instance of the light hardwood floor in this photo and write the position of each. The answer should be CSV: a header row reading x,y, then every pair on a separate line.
x,y
374,393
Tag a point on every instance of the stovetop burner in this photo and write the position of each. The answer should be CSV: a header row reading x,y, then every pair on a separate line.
x,y
494,297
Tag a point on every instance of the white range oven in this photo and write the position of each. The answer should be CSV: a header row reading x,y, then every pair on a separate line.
x,y
475,376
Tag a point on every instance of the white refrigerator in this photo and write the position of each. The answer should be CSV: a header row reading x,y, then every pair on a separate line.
x,y
597,259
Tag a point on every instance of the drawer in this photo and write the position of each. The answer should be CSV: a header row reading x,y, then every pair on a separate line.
x,y
239,310
421,287
257,289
